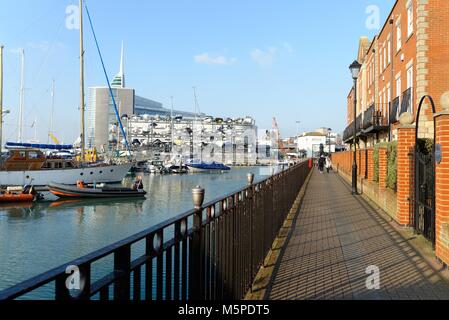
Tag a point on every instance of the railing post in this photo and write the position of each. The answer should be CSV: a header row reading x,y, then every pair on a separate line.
x,y
122,266
196,283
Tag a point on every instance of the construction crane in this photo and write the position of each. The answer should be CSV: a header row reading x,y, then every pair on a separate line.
x,y
278,138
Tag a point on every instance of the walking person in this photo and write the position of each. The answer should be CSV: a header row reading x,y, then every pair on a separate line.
x,y
328,164
321,163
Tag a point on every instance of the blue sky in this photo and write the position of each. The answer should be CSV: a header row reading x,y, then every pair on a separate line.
x,y
263,58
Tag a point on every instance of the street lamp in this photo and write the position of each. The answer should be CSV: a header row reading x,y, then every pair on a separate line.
x,y
355,70
329,132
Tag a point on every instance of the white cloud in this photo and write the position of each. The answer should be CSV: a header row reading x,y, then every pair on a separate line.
x,y
205,58
264,58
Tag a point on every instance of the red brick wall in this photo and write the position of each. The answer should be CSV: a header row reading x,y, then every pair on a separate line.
x,y
438,52
442,191
370,164
383,164
406,143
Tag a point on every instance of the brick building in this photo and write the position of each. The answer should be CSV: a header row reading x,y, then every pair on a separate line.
x,y
407,60
404,67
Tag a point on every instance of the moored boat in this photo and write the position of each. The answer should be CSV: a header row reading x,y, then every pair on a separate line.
x,y
204,167
67,191
21,166
18,194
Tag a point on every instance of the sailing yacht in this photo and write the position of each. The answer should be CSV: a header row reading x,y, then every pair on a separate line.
x,y
26,164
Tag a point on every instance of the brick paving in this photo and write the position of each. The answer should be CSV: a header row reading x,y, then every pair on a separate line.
x,y
335,238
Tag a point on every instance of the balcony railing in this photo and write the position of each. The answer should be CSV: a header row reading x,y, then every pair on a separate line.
x,y
394,111
374,119
348,134
406,105
212,252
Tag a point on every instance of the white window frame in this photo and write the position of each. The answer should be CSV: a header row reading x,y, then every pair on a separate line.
x,y
398,85
410,79
398,35
410,17
389,49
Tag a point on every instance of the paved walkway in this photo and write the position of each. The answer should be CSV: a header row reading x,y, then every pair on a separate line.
x,y
336,237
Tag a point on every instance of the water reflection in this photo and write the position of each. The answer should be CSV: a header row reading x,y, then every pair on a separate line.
x,y
35,238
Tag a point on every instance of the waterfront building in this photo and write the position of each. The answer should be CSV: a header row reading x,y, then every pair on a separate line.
x,y
403,101
400,65
144,106
206,139
102,123
309,142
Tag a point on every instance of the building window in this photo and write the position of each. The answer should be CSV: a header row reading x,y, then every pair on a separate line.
x,y
409,18
410,86
389,49
380,62
398,35
398,86
388,99
385,57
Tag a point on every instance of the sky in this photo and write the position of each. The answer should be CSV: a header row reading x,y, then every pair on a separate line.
x,y
262,58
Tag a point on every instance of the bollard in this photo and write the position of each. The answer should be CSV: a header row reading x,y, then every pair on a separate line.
x,y
250,178
198,197
196,281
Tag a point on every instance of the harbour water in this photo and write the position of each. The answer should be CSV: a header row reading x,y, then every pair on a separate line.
x,y
35,239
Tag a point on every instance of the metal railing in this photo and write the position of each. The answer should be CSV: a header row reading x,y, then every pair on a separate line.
x,y
212,252
406,104
374,118
348,134
394,111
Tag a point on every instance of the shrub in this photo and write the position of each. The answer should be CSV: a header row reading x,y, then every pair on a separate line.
x,y
391,165
392,168
425,145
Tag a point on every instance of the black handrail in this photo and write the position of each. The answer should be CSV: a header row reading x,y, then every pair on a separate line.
x,y
212,253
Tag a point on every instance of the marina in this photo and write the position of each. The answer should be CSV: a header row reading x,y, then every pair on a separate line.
x,y
37,237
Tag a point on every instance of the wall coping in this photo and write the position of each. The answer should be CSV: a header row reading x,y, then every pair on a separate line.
x,y
407,126
442,113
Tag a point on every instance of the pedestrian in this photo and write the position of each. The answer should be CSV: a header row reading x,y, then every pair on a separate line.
x,y
328,164
321,163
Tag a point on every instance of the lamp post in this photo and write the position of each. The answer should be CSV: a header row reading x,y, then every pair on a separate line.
x,y
355,70
329,131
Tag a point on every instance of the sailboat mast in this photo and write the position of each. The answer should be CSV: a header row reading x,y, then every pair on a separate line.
x,y
22,98
50,133
172,125
82,136
1,97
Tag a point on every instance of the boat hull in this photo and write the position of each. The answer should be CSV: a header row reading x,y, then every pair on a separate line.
x,y
12,198
105,174
201,170
66,192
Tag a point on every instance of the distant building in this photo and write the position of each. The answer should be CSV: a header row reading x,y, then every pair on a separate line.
x,y
101,113
102,119
144,106
309,143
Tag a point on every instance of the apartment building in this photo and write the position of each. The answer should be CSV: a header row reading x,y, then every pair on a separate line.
x,y
406,61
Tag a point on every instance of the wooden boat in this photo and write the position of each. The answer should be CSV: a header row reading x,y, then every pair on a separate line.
x,y
67,191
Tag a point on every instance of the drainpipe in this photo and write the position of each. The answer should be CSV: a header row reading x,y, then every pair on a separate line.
x,y
392,82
